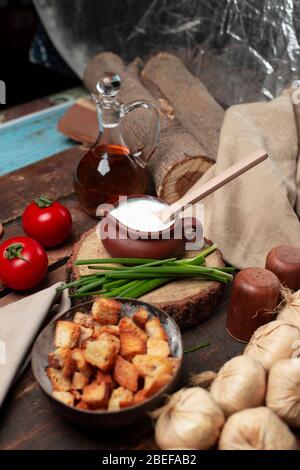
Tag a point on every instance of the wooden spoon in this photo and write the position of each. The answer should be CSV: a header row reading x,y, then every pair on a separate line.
x,y
196,193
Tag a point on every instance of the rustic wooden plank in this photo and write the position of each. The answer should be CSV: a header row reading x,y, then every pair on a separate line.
x,y
53,176
31,138
23,109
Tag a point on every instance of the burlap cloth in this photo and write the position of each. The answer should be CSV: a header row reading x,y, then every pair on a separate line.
x,y
260,209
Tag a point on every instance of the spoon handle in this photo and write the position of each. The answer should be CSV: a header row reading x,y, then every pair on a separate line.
x,y
196,193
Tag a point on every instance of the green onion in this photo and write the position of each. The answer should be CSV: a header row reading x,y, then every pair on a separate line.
x,y
145,287
196,348
137,276
91,286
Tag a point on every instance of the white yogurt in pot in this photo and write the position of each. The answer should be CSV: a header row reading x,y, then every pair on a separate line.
x,y
140,214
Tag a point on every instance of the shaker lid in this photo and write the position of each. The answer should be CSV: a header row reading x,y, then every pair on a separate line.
x,y
109,84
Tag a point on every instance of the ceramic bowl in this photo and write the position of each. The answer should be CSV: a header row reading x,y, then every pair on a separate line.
x,y
45,344
123,242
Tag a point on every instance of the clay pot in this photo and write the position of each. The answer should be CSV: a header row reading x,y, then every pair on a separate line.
x,y
284,261
255,296
123,242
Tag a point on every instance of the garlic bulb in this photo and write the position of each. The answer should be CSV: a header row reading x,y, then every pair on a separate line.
x,y
272,342
240,384
283,395
190,420
256,429
291,311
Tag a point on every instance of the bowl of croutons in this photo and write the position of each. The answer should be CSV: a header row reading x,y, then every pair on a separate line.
x,y
108,362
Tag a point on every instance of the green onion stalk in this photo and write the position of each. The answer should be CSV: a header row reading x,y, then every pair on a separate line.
x,y
134,277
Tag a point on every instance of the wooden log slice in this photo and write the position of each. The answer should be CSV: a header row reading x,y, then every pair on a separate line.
x,y
188,301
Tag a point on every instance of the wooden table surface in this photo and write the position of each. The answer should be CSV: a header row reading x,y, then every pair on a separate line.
x,y
27,420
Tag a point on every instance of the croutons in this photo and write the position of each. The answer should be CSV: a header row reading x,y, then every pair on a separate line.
x,y
126,374
82,364
154,384
158,347
120,398
67,334
58,381
152,365
65,397
127,325
84,319
82,405
106,311
111,329
102,353
56,358
106,378
104,362
69,366
154,329
140,317
131,345
85,334
95,395
79,381
139,397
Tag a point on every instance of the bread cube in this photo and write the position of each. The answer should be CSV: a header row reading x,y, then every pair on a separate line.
x,y
85,334
102,352
153,384
58,381
95,395
70,365
56,358
140,317
84,319
127,325
140,397
79,381
106,378
64,397
131,344
82,405
120,398
126,374
152,365
158,347
76,394
82,364
106,311
114,340
154,329
67,334
111,329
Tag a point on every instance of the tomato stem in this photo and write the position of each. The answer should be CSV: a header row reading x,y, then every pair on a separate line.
x,y
15,251
43,201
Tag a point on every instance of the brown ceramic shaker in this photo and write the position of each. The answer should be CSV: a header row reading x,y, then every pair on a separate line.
x,y
255,295
284,261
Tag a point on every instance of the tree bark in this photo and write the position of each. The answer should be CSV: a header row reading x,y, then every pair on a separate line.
x,y
166,76
179,160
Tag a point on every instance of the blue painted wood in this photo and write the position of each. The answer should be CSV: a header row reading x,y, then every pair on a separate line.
x,y
31,138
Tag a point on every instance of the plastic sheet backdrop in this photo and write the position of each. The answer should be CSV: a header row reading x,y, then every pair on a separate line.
x,y
244,50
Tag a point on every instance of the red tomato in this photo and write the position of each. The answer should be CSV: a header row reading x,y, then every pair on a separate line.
x,y
48,222
23,263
